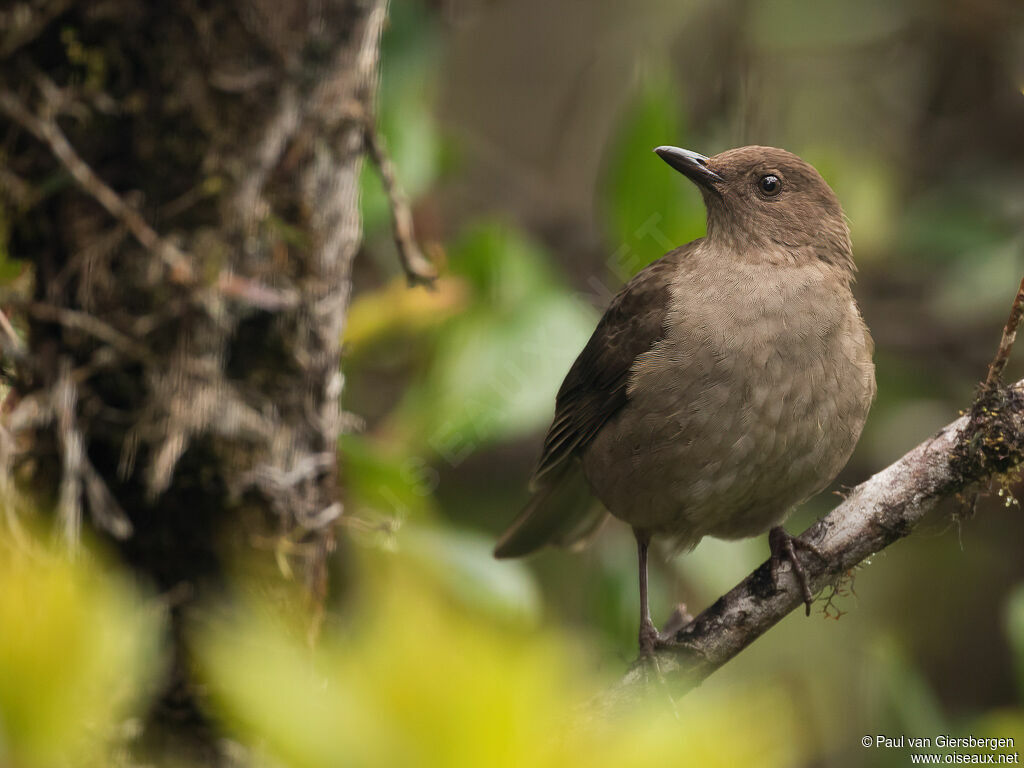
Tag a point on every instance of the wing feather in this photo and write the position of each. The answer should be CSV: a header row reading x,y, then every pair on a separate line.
x,y
561,510
595,387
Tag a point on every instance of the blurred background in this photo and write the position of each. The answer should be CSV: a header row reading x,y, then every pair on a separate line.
x,y
522,132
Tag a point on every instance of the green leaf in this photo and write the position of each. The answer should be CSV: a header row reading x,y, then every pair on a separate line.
x,y
497,365
381,482
651,208
286,698
414,679
464,563
79,652
902,688
1015,633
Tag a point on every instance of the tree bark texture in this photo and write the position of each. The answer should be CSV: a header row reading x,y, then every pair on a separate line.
x,y
183,178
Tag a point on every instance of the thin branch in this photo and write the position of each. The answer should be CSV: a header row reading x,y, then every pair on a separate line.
x,y
995,370
78,472
418,268
254,293
86,323
14,341
47,131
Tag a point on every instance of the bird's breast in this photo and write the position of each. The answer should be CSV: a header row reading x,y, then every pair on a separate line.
x,y
752,402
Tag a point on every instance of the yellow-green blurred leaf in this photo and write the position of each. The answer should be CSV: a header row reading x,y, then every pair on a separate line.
x,y
416,680
398,309
464,563
77,650
1015,633
382,482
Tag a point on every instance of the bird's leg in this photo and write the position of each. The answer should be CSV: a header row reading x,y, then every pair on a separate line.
x,y
783,546
648,632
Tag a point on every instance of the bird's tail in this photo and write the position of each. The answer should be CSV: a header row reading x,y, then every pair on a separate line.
x,y
561,512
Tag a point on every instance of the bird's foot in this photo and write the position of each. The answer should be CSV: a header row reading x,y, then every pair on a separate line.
x,y
783,547
651,639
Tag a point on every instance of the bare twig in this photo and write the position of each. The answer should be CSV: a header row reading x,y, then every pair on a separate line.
x,y
86,323
47,131
418,269
242,81
14,341
78,473
69,500
995,370
254,293
266,153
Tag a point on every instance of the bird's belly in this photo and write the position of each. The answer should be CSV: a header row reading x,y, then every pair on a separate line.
x,y
722,448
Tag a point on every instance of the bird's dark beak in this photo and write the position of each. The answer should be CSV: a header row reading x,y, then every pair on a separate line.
x,y
693,166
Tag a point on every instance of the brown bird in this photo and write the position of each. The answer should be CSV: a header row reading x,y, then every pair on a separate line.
x,y
727,383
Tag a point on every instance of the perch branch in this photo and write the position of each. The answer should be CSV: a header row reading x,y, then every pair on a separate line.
x,y
418,269
962,456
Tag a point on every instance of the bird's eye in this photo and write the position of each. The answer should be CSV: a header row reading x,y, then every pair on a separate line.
x,y
770,185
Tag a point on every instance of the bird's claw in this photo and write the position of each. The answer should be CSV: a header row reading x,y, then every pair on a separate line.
x,y
783,546
652,640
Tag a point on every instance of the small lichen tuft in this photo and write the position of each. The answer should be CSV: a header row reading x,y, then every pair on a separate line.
x,y
991,444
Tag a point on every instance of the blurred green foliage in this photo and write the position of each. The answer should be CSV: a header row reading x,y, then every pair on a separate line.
x,y
415,679
80,651
1015,630
415,672
650,211
495,367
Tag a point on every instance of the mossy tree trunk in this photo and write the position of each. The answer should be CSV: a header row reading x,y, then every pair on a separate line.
x,y
183,179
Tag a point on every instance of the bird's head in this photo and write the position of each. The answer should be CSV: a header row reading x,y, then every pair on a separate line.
x,y
767,200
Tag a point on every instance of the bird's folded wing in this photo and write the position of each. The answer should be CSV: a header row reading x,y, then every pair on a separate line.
x,y
595,387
